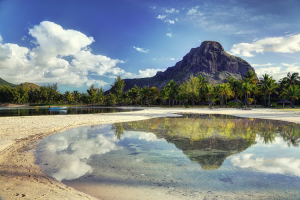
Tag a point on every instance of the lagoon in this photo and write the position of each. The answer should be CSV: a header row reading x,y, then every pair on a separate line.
x,y
10,112
193,156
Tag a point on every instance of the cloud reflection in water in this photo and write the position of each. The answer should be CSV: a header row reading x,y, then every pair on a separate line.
x,y
67,153
284,166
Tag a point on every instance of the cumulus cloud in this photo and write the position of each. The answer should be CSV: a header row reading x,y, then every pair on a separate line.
x,y
148,72
1,39
193,10
141,49
261,65
172,10
288,44
277,71
142,73
46,62
161,17
285,166
169,35
170,21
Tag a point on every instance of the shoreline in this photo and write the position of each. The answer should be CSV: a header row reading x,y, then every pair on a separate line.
x,y
20,177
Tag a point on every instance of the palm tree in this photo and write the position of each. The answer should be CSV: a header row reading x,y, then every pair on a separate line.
x,y
76,95
269,85
234,84
293,92
69,97
172,90
209,92
256,91
145,92
225,90
250,76
163,94
184,92
92,93
134,93
290,79
247,88
154,94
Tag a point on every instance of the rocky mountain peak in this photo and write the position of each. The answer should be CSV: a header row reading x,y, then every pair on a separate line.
x,y
209,59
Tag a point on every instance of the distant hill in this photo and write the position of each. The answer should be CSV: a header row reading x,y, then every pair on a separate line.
x,y
30,85
209,60
3,82
26,85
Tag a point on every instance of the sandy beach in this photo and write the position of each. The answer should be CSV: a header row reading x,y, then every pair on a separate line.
x,y
20,177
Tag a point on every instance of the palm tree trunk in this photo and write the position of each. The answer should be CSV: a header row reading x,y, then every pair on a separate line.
x,y
269,101
226,101
265,101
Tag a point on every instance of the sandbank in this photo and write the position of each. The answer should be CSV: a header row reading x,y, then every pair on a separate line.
x,y
20,177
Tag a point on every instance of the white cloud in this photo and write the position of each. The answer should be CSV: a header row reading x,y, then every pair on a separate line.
x,y
285,166
142,73
193,10
153,7
46,62
65,156
1,39
172,10
170,21
67,153
169,35
288,44
24,38
163,58
141,49
279,71
261,65
161,17
148,72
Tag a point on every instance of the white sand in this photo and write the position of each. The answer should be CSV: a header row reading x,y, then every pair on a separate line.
x,y
20,177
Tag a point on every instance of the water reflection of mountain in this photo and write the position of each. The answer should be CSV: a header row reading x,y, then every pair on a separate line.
x,y
210,139
210,153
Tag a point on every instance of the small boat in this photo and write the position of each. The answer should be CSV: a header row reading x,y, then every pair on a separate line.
x,y
58,108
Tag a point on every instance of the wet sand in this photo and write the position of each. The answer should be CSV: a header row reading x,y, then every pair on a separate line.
x,y
21,178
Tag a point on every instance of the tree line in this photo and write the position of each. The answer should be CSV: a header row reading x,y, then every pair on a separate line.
x,y
264,90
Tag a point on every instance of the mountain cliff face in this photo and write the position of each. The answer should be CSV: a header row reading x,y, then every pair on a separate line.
x,y
210,60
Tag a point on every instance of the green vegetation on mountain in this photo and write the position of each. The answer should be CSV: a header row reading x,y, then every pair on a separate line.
x,y
3,82
30,85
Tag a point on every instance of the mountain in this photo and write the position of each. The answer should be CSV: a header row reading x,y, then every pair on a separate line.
x,y
30,85
26,85
209,59
3,82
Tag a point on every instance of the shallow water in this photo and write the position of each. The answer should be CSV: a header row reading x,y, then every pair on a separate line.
x,y
190,157
9,112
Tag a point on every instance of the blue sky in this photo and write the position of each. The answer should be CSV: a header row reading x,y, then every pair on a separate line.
x,y
78,43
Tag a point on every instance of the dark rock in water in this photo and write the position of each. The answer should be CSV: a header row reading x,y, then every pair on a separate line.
x,y
209,60
226,180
